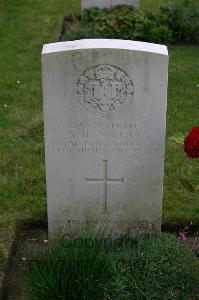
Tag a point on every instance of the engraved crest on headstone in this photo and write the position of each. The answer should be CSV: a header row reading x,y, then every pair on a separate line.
x,y
104,89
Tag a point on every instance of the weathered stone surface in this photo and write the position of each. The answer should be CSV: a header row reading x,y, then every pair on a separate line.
x,y
105,121
95,3
108,3
134,3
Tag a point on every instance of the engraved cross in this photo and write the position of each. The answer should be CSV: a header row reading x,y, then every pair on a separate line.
x,y
105,180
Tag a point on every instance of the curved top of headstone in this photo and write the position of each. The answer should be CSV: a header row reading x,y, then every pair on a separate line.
x,y
104,44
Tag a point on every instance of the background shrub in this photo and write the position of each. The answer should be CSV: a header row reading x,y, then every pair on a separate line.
x,y
172,23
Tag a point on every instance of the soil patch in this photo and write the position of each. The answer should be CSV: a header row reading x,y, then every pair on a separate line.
x,y
28,241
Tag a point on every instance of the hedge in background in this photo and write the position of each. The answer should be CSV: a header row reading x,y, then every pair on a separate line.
x,y
173,23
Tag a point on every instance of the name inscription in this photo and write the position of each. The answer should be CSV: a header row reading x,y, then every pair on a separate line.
x,y
105,137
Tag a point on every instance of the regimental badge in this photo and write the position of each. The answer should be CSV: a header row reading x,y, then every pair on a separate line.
x,y
104,89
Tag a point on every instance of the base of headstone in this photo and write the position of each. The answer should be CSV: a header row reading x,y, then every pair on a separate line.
x,y
111,229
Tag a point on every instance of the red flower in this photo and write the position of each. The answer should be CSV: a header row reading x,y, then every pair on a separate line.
x,y
191,143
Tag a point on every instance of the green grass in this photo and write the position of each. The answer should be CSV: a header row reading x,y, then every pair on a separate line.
x,y
181,184
25,26
90,268
153,5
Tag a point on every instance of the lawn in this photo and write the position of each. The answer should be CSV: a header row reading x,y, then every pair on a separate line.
x,y
25,26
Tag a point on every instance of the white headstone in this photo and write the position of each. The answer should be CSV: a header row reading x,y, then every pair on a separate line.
x,y
85,4
105,121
